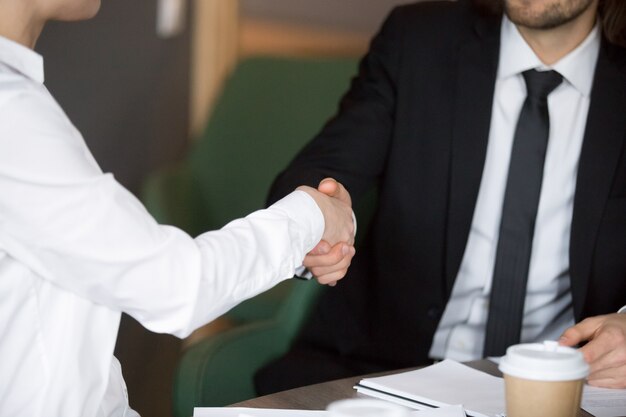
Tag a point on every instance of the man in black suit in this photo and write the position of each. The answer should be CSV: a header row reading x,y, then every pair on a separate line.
x,y
429,121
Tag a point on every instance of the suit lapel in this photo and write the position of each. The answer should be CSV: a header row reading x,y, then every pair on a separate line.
x,y
602,144
477,67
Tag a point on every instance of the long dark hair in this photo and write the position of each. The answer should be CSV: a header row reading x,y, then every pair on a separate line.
x,y
612,13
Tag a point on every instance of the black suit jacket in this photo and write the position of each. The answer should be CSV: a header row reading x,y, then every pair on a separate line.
x,y
415,124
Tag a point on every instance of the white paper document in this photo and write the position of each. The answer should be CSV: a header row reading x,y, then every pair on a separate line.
x,y
482,395
445,383
254,412
603,402
452,411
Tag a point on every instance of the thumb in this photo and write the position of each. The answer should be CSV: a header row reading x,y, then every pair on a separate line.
x,y
581,332
328,186
333,188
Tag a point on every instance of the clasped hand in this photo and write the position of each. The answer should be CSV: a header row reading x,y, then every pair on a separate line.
x,y
330,259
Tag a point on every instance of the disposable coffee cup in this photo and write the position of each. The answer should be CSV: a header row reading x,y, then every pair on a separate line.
x,y
363,407
543,379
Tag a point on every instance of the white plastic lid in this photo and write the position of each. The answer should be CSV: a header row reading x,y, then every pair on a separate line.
x,y
363,407
545,361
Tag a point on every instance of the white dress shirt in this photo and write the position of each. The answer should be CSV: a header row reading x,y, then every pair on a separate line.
x,y
77,249
548,307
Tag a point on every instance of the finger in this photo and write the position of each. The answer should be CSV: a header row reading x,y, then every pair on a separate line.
x,y
328,186
617,383
599,360
321,248
333,188
609,378
594,350
332,278
324,270
336,255
608,347
581,331
609,366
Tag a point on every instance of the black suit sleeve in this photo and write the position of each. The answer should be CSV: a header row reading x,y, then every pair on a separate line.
x,y
353,146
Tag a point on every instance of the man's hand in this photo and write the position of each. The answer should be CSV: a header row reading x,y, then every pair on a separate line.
x,y
329,264
605,351
326,262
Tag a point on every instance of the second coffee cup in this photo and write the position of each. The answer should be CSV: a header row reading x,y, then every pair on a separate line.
x,y
543,380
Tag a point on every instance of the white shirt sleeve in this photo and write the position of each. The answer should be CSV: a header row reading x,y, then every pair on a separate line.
x,y
80,229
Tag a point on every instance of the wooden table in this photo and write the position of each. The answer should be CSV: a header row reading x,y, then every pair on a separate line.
x,y
312,397
318,396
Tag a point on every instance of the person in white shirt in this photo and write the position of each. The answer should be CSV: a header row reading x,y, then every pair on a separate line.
x,y
77,249
429,121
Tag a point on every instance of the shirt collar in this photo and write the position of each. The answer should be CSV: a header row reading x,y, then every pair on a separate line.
x,y
22,59
577,67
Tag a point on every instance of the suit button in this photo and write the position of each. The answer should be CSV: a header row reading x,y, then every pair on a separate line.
x,y
434,312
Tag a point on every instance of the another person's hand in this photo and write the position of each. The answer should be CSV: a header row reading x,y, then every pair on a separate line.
x,y
336,206
606,348
329,264
326,262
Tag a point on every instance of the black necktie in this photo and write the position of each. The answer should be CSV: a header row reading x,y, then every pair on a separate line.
x,y
519,210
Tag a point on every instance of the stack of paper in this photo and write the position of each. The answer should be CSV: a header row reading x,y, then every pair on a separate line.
x,y
254,412
482,395
445,383
455,411
604,402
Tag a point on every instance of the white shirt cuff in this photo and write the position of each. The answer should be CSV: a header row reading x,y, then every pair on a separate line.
x,y
303,273
303,209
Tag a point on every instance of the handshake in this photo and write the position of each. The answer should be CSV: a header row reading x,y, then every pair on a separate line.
x,y
330,259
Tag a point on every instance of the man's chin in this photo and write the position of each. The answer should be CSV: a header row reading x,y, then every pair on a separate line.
x,y
545,16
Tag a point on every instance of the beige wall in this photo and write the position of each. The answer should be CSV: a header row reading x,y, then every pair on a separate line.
x,y
214,51
259,36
